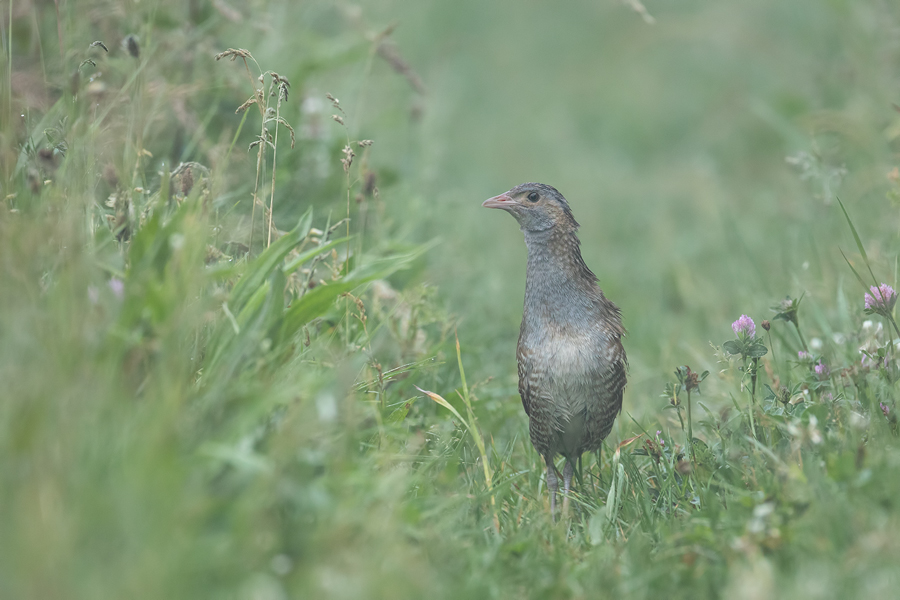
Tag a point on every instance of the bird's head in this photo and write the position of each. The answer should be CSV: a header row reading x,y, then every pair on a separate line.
x,y
537,207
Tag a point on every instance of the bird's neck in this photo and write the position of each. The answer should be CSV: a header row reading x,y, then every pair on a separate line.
x,y
558,284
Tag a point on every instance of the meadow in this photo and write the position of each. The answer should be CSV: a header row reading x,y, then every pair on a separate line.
x,y
257,335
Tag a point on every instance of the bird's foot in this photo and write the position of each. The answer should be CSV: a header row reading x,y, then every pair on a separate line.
x,y
568,471
553,486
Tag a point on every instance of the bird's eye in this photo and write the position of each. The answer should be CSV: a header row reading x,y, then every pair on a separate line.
x,y
533,196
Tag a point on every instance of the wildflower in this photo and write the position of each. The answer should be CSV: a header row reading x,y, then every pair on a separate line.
x,y
881,300
803,355
787,309
868,324
117,287
784,395
690,380
653,449
885,409
659,440
744,326
822,370
746,344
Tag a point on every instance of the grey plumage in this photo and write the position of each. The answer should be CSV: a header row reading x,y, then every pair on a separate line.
x,y
572,365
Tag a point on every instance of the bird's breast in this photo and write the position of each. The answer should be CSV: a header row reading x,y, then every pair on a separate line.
x,y
563,366
569,354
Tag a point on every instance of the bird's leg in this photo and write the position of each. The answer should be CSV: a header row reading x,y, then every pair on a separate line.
x,y
567,485
552,484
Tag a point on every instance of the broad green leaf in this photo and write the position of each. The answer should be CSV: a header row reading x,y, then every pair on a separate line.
x,y
253,304
260,315
732,347
319,300
757,349
303,257
258,270
400,413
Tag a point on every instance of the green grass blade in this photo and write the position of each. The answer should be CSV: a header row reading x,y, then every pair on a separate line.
x,y
318,301
296,263
858,278
440,400
260,269
859,245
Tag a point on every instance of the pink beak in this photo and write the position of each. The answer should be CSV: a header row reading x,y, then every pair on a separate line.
x,y
502,201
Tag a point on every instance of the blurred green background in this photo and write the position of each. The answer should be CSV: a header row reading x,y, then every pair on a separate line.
x,y
670,141
702,147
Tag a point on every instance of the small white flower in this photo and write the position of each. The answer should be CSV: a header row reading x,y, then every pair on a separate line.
x,y
326,406
814,435
858,421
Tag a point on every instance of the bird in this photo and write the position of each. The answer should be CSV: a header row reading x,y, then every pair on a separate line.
x,y
571,362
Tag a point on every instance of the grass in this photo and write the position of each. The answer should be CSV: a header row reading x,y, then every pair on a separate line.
x,y
214,346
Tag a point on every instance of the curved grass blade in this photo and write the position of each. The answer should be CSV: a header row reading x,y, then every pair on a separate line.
x,y
859,245
258,271
295,263
858,278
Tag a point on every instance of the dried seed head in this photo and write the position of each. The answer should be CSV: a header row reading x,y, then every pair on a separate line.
x,y
335,102
234,53
130,44
392,56
246,104
766,325
784,395
338,119
99,44
187,181
369,183
692,381
653,450
364,143
348,157
110,176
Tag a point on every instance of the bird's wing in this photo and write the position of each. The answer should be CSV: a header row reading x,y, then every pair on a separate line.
x,y
524,375
608,385
614,379
614,384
